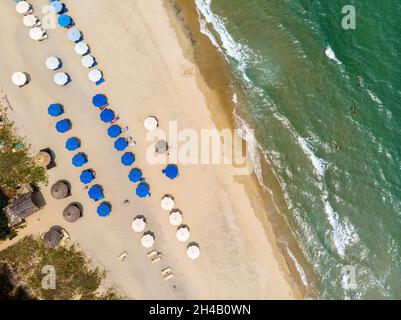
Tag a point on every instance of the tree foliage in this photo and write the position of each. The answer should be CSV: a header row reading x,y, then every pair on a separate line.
x,y
76,278
17,166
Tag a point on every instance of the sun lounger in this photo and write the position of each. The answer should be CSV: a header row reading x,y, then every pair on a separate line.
x,y
167,273
66,237
154,256
123,256
171,275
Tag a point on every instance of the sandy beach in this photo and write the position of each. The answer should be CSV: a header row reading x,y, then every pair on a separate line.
x,y
146,73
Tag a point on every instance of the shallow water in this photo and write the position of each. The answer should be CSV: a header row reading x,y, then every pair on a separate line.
x,y
333,144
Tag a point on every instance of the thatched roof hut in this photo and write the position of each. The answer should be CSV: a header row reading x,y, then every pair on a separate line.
x,y
72,213
60,190
52,238
18,210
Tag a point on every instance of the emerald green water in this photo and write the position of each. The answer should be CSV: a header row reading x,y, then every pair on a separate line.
x,y
333,145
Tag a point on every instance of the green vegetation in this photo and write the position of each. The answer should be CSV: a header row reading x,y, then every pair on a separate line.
x,y
75,277
17,167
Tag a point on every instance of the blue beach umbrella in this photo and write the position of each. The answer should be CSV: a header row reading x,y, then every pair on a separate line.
x,y
63,125
171,171
96,193
99,100
64,20
55,109
104,209
79,160
56,6
107,115
128,159
74,35
120,144
142,190
87,176
72,144
114,131
135,175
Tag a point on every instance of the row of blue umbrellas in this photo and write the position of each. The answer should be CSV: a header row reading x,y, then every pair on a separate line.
x,y
95,192
120,144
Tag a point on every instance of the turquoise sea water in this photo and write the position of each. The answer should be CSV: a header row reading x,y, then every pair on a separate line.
x,y
333,145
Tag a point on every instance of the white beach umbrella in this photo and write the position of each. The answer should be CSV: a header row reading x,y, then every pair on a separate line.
x,y
30,20
61,78
81,48
88,61
23,7
167,202
74,35
193,251
95,75
19,78
183,233
148,240
150,123
52,63
175,217
139,224
36,33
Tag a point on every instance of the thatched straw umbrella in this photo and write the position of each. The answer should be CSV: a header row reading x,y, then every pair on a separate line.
x,y
59,190
161,146
52,238
72,213
43,159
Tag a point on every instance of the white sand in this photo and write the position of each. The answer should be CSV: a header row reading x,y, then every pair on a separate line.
x,y
142,62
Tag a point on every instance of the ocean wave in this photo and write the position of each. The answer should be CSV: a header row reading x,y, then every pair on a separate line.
x,y
331,55
318,164
299,268
252,144
344,233
234,50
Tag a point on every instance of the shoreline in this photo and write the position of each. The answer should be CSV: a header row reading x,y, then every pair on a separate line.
x,y
219,92
239,259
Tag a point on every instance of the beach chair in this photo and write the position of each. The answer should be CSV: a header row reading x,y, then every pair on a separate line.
x,y
123,256
66,237
154,256
167,274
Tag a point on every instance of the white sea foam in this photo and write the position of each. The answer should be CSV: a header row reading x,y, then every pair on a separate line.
x,y
318,164
235,98
205,30
331,55
376,99
344,233
235,50
299,268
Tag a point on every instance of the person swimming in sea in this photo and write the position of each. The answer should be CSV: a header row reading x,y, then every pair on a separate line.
x,y
354,110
